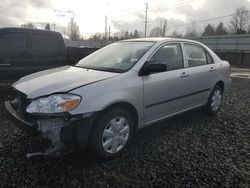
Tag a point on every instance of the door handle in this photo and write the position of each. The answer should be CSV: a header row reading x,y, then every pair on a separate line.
x,y
184,75
212,69
5,65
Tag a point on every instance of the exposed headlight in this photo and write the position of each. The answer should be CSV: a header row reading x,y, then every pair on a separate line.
x,y
56,103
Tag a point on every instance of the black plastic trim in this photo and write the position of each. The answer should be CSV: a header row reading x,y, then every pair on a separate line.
x,y
176,98
17,120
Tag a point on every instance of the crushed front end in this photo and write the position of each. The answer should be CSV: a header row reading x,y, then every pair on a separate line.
x,y
62,129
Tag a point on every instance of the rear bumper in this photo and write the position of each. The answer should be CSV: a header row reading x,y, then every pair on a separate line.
x,y
22,124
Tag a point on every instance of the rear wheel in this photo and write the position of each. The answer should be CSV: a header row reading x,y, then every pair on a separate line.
x,y
214,102
112,133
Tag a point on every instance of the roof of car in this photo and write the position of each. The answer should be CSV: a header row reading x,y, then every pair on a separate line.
x,y
157,39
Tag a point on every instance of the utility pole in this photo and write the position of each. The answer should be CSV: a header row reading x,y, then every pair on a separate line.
x,y
146,19
109,33
106,27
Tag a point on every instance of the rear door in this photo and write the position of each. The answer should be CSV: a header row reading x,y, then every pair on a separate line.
x,y
48,49
201,69
165,92
16,59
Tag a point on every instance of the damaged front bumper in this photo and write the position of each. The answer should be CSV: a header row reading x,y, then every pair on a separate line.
x,y
24,125
65,133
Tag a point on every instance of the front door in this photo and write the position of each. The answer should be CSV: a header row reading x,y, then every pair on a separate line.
x,y
164,93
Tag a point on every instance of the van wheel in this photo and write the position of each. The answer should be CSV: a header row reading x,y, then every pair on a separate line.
x,y
214,101
112,133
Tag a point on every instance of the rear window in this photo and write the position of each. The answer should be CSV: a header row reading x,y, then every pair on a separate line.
x,y
196,55
45,42
12,41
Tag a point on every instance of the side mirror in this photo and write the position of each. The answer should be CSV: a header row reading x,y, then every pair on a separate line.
x,y
153,68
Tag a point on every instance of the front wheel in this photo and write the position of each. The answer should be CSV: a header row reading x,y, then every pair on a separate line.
x,y
214,102
112,133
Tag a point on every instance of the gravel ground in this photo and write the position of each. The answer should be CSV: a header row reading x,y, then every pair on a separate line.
x,y
191,150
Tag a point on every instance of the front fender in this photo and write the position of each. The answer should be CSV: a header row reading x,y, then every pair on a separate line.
x,y
96,97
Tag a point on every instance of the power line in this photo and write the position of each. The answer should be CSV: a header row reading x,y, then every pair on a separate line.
x,y
174,5
210,19
126,10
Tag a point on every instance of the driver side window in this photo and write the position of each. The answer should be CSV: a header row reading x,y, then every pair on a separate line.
x,y
170,55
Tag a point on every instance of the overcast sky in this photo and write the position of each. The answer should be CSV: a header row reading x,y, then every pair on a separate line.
x,y
122,14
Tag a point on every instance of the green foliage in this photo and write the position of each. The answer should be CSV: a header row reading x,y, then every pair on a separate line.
x,y
209,31
47,27
220,29
29,25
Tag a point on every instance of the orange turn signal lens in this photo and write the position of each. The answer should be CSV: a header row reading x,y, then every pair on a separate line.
x,y
70,105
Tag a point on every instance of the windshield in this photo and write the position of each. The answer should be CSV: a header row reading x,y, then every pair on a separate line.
x,y
117,57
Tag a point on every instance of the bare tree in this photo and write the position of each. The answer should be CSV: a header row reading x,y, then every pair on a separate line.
x,y
164,28
192,30
239,21
156,32
73,30
176,34
29,25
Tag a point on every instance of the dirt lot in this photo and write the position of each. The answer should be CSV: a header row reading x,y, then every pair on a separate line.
x,y
192,150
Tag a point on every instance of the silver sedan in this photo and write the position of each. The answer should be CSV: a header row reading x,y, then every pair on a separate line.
x,y
106,97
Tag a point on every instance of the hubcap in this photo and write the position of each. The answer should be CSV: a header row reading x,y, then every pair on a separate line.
x,y
216,100
115,135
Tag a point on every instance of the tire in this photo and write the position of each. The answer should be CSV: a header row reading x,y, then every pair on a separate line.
x,y
214,101
112,133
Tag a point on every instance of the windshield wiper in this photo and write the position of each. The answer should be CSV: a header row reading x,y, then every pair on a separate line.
x,y
101,69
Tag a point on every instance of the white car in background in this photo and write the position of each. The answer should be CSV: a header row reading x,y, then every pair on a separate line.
x,y
106,97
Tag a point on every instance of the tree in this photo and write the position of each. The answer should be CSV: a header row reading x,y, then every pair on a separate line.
x,y
29,25
192,30
73,30
164,28
156,32
209,30
47,27
130,35
248,30
221,30
126,35
175,34
136,34
240,21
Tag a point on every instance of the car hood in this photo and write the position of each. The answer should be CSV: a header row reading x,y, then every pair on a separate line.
x,y
62,79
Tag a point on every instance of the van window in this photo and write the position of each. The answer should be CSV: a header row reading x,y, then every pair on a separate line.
x,y
45,42
13,41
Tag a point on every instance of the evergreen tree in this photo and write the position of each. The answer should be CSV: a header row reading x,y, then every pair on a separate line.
x,y
47,27
126,35
209,31
136,34
221,30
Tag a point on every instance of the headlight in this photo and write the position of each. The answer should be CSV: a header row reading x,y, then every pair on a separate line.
x,y
54,104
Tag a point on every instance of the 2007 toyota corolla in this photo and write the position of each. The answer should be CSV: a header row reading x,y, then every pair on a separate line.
x,y
106,97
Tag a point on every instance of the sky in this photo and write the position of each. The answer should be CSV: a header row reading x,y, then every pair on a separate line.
x,y
121,14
